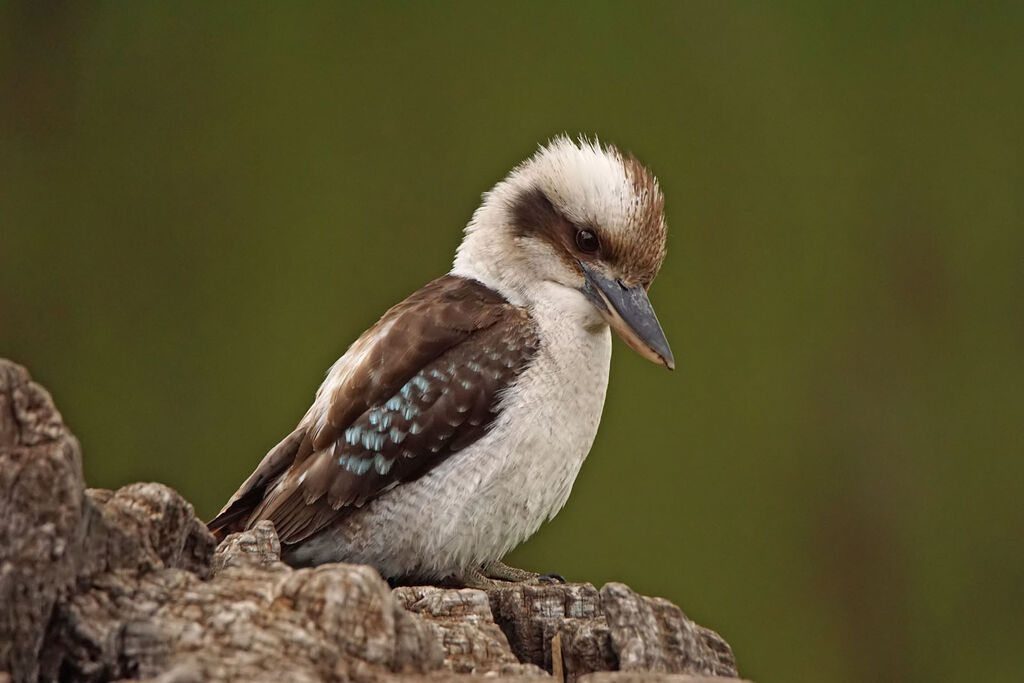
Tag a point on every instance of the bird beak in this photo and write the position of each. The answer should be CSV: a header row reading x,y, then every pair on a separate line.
x,y
629,312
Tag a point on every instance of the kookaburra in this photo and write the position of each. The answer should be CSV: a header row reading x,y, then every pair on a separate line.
x,y
456,425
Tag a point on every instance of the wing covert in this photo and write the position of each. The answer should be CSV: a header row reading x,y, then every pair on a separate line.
x,y
428,382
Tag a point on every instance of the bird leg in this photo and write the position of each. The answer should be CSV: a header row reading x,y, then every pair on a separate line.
x,y
473,578
501,571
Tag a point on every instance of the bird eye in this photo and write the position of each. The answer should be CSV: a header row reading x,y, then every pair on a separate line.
x,y
586,240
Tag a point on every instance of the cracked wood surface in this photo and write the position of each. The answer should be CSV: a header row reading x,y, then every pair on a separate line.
x,y
125,585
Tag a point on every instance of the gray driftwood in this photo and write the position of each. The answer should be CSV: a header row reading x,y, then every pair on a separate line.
x,y
128,585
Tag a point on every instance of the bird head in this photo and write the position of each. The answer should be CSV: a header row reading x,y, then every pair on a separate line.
x,y
580,224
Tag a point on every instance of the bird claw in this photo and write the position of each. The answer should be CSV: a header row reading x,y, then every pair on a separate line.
x,y
551,579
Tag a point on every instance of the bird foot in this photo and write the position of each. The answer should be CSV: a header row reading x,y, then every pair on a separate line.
x,y
503,572
493,575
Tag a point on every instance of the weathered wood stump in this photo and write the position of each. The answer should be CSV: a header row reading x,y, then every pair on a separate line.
x,y
102,585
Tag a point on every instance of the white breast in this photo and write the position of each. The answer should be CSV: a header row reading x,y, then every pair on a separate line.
x,y
488,498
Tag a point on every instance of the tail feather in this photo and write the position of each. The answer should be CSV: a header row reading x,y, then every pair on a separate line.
x,y
237,514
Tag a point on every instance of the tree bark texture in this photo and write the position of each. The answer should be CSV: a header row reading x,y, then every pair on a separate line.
x,y
100,585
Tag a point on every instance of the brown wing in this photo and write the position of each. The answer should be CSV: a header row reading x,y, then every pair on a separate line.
x,y
418,386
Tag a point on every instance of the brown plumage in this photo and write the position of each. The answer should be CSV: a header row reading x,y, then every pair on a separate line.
x,y
641,251
427,380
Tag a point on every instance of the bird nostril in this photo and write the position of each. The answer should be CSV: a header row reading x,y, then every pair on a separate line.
x,y
621,284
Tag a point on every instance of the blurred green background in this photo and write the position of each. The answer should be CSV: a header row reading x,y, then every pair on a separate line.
x,y
202,205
